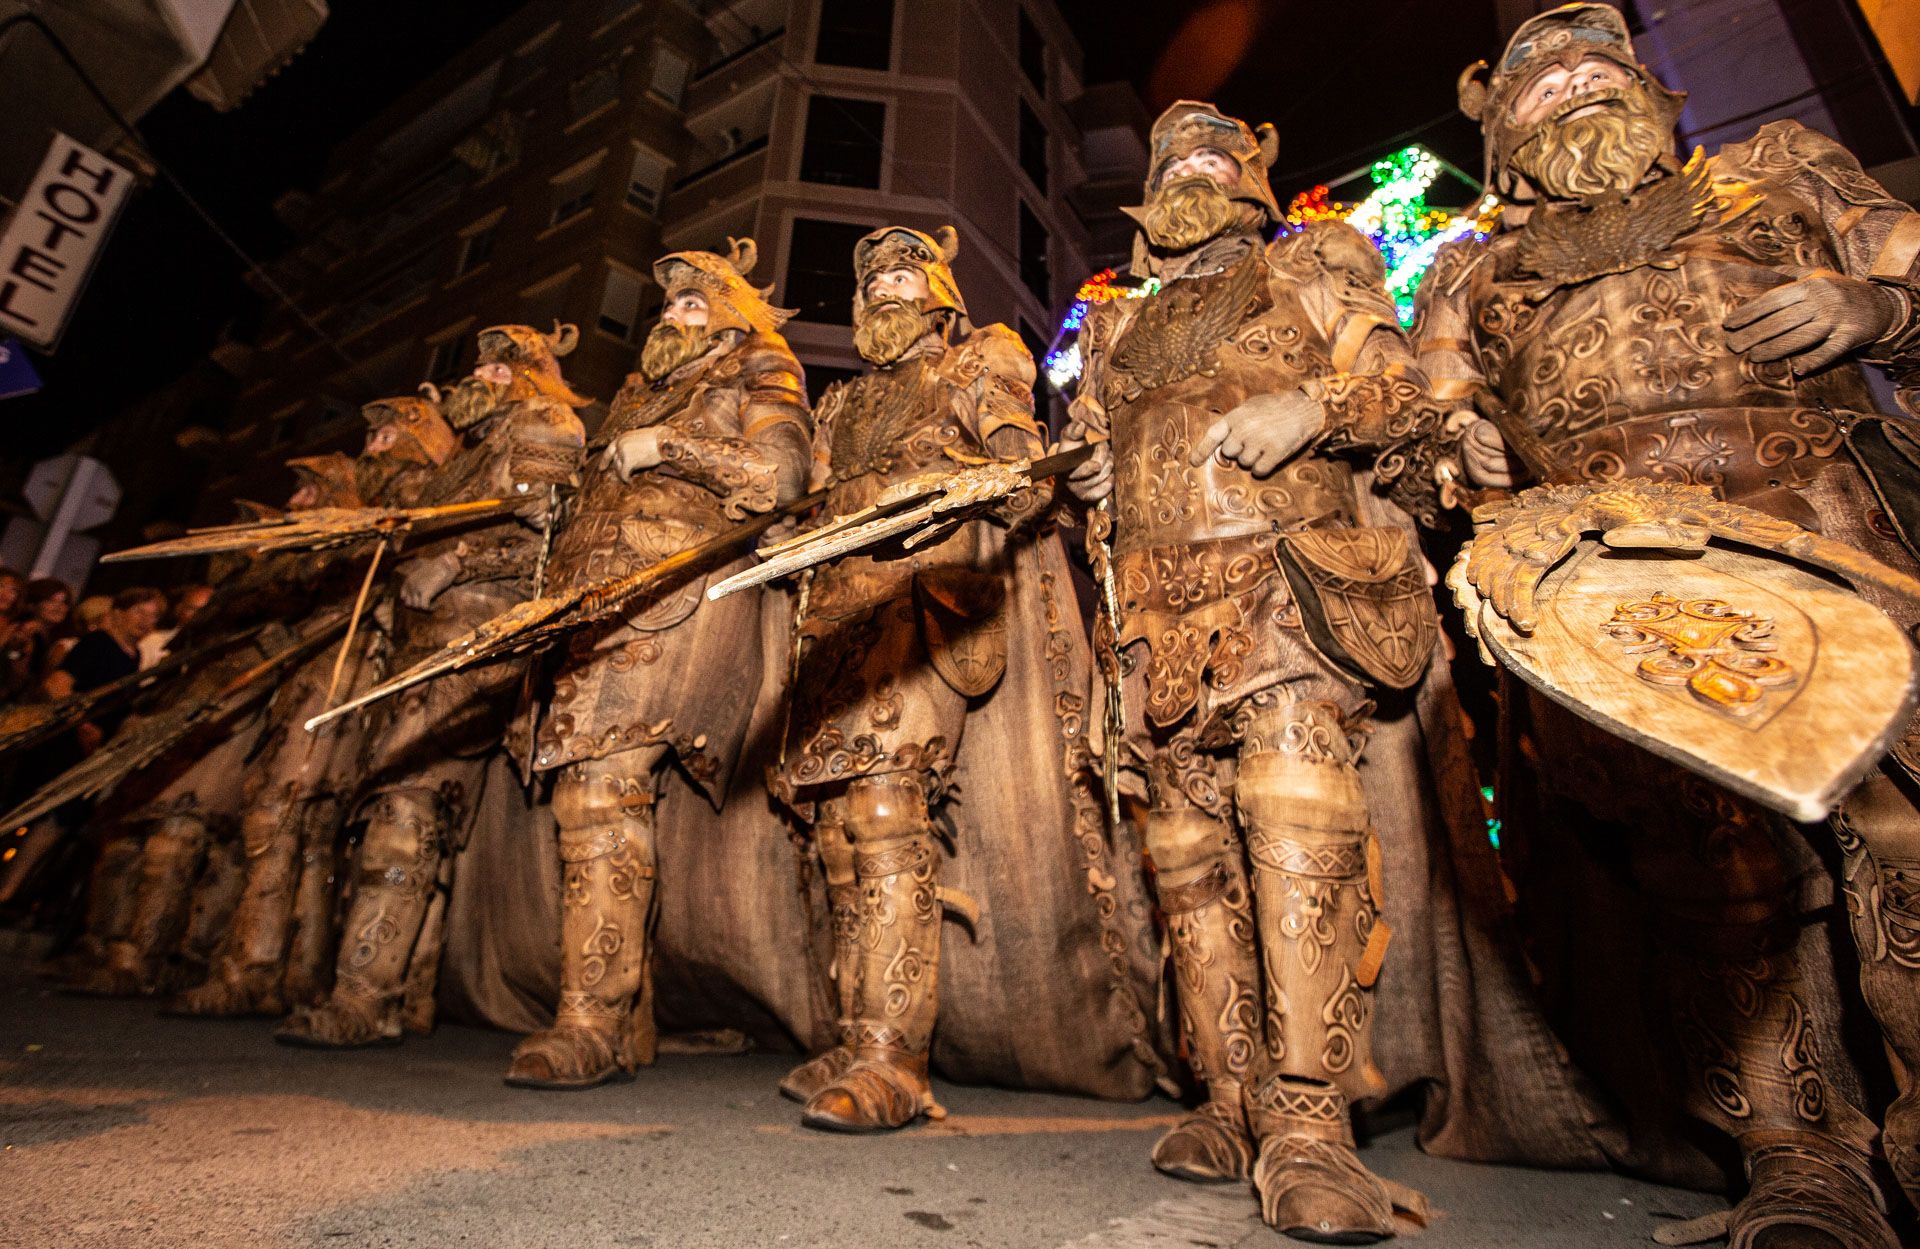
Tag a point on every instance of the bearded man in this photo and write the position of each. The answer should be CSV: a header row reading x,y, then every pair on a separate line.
x,y
1255,615
191,799
944,686
431,746
279,944
712,429
1699,322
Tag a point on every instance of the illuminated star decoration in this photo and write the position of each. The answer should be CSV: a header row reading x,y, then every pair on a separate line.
x,y
1395,216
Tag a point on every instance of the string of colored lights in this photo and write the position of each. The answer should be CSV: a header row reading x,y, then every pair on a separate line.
x,y
1395,215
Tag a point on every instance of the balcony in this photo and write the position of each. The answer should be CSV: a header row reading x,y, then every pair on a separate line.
x,y
738,154
740,54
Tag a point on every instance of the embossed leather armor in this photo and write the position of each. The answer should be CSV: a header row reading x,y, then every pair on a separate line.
x,y
278,948
884,685
1251,616
893,647
1602,329
1196,550
737,426
676,679
429,747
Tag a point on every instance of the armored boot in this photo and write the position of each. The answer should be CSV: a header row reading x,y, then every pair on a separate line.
x,y
417,1006
843,908
244,978
1754,1028
1879,833
896,964
215,897
603,1029
1202,885
312,940
110,897
169,866
399,869
1316,891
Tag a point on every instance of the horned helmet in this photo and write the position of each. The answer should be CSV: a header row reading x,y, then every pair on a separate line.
x,y
330,478
424,435
1186,127
733,303
1564,36
534,359
894,247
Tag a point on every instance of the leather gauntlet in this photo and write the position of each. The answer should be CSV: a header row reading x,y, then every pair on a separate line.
x,y
496,557
741,473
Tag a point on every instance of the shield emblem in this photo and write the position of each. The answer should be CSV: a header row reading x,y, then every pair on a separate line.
x,y
1780,683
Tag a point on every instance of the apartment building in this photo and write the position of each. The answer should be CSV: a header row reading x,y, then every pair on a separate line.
x,y
537,176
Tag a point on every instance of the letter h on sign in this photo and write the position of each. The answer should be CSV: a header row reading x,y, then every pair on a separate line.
x,y
54,238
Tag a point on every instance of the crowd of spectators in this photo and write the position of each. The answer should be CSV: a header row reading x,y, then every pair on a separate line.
x,y
52,647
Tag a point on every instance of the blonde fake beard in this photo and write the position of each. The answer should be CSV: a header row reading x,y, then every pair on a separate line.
x,y
1187,212
1603,153
889,330
669,346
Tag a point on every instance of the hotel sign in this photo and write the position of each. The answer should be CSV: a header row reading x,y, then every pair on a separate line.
x,y
56,234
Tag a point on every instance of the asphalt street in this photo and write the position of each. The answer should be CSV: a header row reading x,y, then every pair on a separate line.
x,y
121,1128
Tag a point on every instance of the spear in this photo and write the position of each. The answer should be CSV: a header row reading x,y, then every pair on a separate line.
x,y
541,621
311,529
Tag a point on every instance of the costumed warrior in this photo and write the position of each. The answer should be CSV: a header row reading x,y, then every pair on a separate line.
x,y
191,799
1697,322
278,948
429,749
711,430
1252,612
943,687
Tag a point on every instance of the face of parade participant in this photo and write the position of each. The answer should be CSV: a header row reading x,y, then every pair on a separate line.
x,y
1557,84
1204,162
686,308
904,283
381,438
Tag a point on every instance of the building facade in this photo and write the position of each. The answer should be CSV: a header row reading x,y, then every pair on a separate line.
x,y
537,176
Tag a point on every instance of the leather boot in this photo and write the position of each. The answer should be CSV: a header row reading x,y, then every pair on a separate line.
x,y
169,865
215,897
1202,885
312,939
603,1029
1755,1026
843,908
1879,833
399,869
1316,894
896,964
110,897
244,978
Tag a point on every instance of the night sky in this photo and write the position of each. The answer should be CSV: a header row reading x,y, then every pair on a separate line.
x,y
1341,81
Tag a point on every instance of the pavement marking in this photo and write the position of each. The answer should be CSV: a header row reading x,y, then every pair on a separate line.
x,y
1003,1125
1220,1219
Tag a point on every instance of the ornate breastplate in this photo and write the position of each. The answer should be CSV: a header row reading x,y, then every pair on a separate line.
x,y
894,423
1174,384
1179,331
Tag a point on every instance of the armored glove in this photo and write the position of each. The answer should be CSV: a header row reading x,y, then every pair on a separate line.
x,y
1093,480
635,451
1813,322
1483,453
1264,432
422,580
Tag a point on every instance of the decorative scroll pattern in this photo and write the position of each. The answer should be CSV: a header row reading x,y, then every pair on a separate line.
x,y
1715,650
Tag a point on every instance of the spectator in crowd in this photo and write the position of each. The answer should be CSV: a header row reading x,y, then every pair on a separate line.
x,y
43,621
106,654
183,604
15,672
